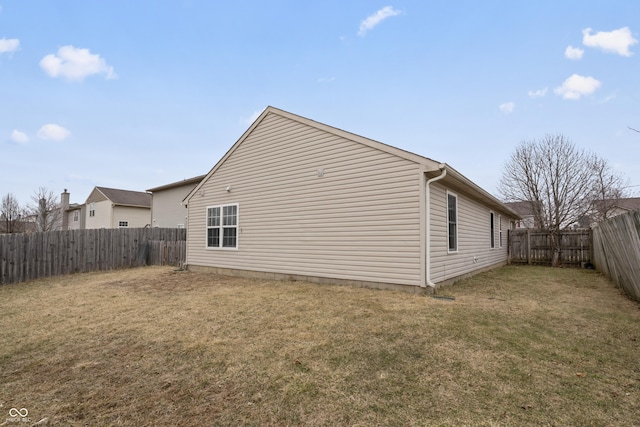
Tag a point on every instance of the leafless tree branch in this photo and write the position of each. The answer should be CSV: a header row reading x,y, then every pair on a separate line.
x,y
46,210
562,182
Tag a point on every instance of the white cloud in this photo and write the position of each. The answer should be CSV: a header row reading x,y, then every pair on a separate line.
x,y
76,64
19,137
573,52
576,86
373,20
538,93
616,41
507,107
9,45
53,132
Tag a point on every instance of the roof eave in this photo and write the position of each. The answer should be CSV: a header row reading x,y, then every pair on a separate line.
x,y
176,184
478,192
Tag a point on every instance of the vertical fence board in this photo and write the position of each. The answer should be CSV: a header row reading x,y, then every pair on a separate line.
x,y
617,251
528,246
29,256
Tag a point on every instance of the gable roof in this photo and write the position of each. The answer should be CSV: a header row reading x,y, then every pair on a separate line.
x,y
126,197
629,203
522,208
430,166
74,207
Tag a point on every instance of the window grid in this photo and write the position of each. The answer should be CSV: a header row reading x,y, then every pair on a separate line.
x,y
222,226
493,230
452,222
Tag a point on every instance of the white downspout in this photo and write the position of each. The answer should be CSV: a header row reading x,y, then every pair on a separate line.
x,y
428,203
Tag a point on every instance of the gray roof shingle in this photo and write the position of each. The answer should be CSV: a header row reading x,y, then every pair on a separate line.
x,y
127,197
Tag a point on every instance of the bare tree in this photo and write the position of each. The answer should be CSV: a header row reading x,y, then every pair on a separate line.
x,y
10,213
609,188
46,210
558,179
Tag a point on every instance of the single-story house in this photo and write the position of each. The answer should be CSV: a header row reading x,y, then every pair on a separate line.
x,y
296,199
167,209
113,208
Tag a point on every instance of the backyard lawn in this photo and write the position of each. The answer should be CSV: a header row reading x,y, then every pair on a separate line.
x,y
153,346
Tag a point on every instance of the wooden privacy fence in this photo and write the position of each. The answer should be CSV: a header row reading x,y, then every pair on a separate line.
x,y
29,256
528,246
167,252
616,250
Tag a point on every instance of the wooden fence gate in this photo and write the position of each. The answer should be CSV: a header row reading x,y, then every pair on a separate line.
x,y
528,246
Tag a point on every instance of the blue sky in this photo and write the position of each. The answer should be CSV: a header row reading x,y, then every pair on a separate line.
x,y
138,94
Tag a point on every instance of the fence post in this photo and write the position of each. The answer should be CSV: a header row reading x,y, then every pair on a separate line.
x,y
29,256
528,246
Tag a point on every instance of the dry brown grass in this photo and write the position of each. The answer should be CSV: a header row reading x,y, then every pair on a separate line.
x,y
152,346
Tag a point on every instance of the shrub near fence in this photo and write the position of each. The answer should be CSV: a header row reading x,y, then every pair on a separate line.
x,y
616,247
29,256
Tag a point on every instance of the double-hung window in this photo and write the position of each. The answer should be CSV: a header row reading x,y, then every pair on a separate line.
x,y
452,220
500,230
492,226
222,226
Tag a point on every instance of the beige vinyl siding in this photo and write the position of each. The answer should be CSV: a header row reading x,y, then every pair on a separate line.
x,y
136,217
359,221
474,243
102,217
167,208
73,225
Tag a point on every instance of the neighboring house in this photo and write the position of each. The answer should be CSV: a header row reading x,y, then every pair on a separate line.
x,y
300,200
112,208
73,214
526,212
621,206
167,209
23,224
609,208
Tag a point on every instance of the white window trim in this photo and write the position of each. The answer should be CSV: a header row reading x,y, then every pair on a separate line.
x,y
237,227
500,231
449,250
120,222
